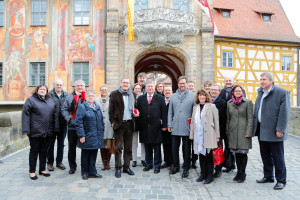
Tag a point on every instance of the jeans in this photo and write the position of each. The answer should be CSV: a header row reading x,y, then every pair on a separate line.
x,y
60,136
38,147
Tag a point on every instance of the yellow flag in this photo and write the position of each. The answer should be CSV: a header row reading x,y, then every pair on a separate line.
x,y
130,10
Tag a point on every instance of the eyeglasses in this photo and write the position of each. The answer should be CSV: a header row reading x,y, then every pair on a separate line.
x,y
125,82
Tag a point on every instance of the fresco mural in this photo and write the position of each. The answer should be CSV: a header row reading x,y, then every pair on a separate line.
x,y
38,42
2,40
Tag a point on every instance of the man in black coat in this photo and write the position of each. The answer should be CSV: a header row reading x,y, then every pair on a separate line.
x,y
222,108
152,120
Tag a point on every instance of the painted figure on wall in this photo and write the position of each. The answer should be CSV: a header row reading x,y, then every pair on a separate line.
x,y
38,42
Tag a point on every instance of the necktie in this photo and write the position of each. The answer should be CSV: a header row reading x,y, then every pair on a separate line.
x,y
167,101
149,100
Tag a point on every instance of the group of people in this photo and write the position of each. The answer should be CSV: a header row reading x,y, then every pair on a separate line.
x,y
150,114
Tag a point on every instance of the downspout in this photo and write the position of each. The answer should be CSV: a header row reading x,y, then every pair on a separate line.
x,y
105,40
298,91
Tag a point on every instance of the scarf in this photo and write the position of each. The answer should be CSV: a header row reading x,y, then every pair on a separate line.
x,y
199,130
182,95
130,95
228,90
75,103
237,102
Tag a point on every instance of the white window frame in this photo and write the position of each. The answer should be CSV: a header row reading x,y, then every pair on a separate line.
x,y
285,67
83,74
140,5
226,55
38,74
183,5
82,13
39,13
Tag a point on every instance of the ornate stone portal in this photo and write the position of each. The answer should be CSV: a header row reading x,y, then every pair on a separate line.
x,y
162,26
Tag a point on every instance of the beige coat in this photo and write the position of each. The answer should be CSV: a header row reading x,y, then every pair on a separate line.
x,y
211,127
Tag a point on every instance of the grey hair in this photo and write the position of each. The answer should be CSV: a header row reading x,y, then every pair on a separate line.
x,y
58,79
142,74
267,74
216,85
125,78
149,82
90,91
80,81
182,77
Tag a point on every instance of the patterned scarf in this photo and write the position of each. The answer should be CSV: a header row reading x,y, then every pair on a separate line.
x,y
237,102
75,103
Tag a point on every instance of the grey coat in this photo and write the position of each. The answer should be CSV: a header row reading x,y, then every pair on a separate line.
x,y
239,123
108,129
274,114
179,113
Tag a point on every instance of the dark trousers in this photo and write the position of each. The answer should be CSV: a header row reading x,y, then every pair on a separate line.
x,y
168,154
123,138
272,154
72,139
88,161
229,156
194,156
38,147
185,150
149,155
60,137
207,165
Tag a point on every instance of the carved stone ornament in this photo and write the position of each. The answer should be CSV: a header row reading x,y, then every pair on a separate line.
x,y
161,26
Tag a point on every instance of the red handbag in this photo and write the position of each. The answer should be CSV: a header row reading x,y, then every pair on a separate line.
x,y
218,155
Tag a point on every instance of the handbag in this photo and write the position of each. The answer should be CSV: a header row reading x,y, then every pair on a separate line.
x,y
218,155
112,146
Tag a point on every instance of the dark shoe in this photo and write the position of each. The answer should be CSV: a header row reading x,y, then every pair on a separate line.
x,y
118,173
60,166
33,177
44,174
50,167
185,173
237,176
279,186
85,177
174,170
147,168
208,181
133,163
265,180
201,178
128,171
217,174
194,165
227,170
72,171
95,176
165,165
143,163
242,178
103,167
156,170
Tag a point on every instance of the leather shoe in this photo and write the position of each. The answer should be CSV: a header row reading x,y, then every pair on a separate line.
x,y
156,170
133,163
217,174
279,186
147,168
44,174
200,179
50,167
33,177
143,163
265,180
174,170
128,171
85,177
118,173
194,165
165,165
95,176
185,173
72,171
208,181
60,166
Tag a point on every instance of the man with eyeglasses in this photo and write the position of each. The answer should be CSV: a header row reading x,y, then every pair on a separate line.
x,y
69,109
121,113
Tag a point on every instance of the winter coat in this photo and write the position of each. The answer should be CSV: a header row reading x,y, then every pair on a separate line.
x,y
108,130
152,118
39,117
239,123
59,102
222,108
89,124
275,114
179,113
211,127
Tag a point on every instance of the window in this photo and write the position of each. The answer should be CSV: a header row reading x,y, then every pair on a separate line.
x,y
227,59
1,74
38,12
37,73
181,5
81,72
140,5
266,17
286,63
226,14
2,13
82,12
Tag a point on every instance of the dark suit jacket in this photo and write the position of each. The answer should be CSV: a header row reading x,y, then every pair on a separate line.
x,y
222,108
166,135
153,117
223,95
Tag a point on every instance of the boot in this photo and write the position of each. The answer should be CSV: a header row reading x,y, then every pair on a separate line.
x,y
209,169
108,160
103,158
244,160
238,164
203,172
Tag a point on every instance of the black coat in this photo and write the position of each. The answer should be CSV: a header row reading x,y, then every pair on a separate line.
x,y
39,117
222,108
153,117
59,102
166,135
223,95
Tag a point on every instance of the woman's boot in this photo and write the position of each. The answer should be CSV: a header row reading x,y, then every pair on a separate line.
x,y
108,159
244,160
238,164
203,173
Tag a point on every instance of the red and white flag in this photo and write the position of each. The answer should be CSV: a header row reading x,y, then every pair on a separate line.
x,y
205,7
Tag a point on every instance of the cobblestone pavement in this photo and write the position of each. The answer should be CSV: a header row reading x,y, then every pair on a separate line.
x,y
16,184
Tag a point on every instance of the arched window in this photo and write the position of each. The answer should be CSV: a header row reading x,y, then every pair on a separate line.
x,y
181,5
140,5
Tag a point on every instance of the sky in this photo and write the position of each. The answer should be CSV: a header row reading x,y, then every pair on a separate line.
x,y
291,8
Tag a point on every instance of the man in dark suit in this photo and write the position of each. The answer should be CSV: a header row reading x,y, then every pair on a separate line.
x,y
152,120
121,109
222,108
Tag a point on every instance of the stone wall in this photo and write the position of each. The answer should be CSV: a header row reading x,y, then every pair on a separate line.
x,y
294,125
11,138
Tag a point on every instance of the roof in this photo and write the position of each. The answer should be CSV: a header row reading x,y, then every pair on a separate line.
x,y
245,20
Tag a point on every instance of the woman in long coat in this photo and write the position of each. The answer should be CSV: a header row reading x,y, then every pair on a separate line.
x,y
103,102
38,123
205,132
89,128
239,128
